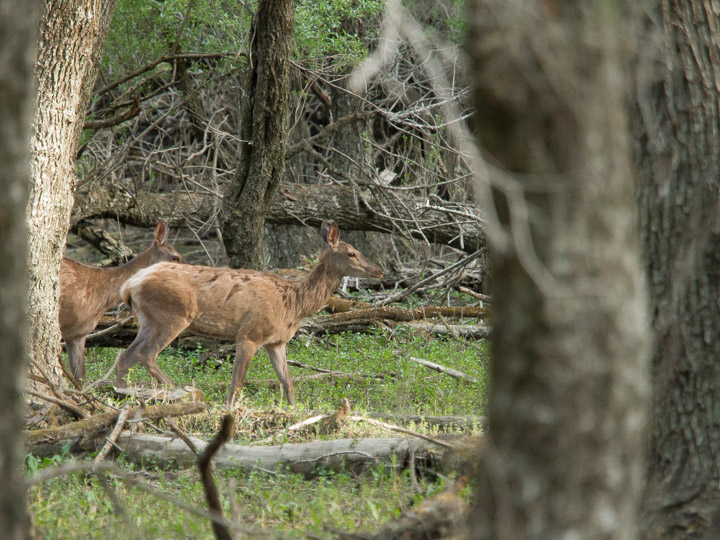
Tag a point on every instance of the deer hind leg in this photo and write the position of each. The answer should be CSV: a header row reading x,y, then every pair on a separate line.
x,y
149,342
246,349
278,359
76,356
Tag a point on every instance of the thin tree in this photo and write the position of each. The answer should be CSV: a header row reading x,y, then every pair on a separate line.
x,y
69,51
263,119
677,128
563,456
18,32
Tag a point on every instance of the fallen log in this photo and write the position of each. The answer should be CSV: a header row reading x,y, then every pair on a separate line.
x,y
352,207
90,426
360,320
341,454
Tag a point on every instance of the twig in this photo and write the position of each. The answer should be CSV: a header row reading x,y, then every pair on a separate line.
x,y
181,434
103,378
303,423
112,438
77,411
220,526
410,290
455,374
479,296
402,430
85,466
109,328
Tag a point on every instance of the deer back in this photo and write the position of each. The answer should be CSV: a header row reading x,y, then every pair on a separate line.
x,y
86,292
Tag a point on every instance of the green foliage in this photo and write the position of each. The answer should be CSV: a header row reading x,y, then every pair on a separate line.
x,y
340,30
143,30
283,504
407,388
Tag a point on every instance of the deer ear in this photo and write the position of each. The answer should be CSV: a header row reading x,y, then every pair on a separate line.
x,y
330,234
161,233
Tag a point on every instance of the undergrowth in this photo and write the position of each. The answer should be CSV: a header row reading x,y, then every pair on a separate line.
x,y
280,504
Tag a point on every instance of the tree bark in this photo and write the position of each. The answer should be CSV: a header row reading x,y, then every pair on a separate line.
x,y
677,124
68,56
263,119
567,409
337,454
18,32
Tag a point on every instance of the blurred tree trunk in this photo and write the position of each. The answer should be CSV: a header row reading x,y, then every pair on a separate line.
x,y
677,124
18,32
263,130
569,392
68,57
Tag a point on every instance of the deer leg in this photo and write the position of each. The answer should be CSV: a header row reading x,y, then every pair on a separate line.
x,y
245,351
76,356
148,343
278,359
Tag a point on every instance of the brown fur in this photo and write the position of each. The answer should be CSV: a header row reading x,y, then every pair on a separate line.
x,y
255,309
86,292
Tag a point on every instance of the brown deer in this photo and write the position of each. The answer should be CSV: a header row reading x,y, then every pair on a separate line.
x,y
86,292
255,309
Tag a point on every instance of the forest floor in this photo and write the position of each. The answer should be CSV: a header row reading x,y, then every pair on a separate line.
x,y
162,500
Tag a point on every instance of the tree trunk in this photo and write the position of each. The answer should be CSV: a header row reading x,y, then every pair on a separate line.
x,y
18,32
678,131
263,119
69,51
569,385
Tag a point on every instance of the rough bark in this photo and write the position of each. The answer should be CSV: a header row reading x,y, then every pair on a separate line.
x,y
339,454
69,51
350,207
677,123
18,31
569,384
263,120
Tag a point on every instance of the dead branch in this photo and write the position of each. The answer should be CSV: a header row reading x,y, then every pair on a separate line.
x,y
401,430
406,292
101,240
211,492
73,409
112,438
455,374
89,426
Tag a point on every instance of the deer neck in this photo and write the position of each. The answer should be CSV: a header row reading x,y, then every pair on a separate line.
x,y
315,290
117,275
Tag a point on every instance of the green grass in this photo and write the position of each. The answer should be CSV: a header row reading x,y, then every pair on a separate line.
x,y
407,388
283,504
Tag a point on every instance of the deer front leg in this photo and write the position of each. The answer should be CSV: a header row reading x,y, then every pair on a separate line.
x,y
245,351
76,356
278,359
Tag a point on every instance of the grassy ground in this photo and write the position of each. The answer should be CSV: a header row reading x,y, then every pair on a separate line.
x,y
284,504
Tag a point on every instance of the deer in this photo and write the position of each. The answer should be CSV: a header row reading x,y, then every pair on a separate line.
x,y
86,292
253,308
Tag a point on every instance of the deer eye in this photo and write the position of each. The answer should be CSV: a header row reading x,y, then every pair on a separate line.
x,y
352,254
175,258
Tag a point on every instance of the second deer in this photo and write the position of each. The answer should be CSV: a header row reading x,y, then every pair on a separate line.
x,y
86,292
255,309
